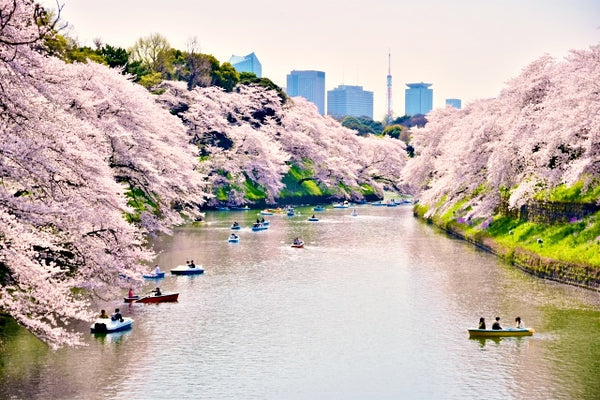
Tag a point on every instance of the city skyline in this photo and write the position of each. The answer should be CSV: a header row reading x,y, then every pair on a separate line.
x,y
467,49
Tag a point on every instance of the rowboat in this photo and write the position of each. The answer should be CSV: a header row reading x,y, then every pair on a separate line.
x,y
506,332
107,325
266,212
233,239
259,227
157,275
236,227
345,204
187,270
152,298
313,219
298,245
318,208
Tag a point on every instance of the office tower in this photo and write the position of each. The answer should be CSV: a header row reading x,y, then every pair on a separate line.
x,y
308,84
456,103
352,101
248,63
418,98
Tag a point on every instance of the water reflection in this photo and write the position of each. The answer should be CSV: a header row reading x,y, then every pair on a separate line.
x,y
374,306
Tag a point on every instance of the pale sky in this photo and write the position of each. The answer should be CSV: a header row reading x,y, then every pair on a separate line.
x,y
467,49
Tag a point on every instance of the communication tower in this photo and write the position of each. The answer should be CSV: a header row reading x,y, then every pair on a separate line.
x,y
388,116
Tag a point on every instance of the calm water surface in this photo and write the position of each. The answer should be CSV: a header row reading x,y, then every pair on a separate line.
x,y
374,307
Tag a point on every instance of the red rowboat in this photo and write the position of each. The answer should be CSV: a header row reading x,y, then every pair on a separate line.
x,y
162,298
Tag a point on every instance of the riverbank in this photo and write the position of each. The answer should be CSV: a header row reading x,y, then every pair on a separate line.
x,y
518,251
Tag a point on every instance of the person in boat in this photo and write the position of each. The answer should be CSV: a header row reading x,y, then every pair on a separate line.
x,y
103,314
233,236
235,224
156,269
297,241
481,323
496,325
257,221
157,292
192,265
313,216
519,323
262,220
117,316
130,293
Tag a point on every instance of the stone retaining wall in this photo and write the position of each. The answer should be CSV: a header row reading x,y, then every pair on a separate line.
x,y
548,212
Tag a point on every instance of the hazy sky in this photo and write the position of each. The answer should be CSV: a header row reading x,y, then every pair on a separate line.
x,y
467,49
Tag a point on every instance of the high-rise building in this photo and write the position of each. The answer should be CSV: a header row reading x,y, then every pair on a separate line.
x,y
352,101
456,103
308,84
418,98
248,63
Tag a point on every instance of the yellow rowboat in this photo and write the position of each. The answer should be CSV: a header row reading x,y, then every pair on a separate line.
x,y
482,333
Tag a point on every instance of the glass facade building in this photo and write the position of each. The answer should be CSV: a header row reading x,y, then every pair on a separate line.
x,y
352,101
308,84
248,63
418,98
456,103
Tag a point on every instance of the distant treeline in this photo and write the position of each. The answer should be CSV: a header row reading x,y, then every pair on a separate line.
x,y
152,59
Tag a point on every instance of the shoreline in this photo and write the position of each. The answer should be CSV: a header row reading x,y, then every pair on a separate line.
x,y
584,276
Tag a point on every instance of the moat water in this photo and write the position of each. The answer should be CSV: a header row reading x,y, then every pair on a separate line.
x,y
376,306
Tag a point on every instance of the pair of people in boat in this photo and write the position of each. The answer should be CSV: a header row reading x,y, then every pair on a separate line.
x,y
131,296
115,317
191,264
235,224
496,325
260,221
297,241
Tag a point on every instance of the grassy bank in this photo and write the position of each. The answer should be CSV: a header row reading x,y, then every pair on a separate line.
x,y
566,252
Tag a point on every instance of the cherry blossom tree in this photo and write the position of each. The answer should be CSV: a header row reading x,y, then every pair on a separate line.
x,y
77,139
540,132
251,134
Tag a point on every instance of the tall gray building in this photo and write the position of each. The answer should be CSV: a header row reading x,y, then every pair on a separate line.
x,y
308,84
352,101
248,63
418,98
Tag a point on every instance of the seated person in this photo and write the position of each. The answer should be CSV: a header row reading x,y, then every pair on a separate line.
x,y
496,325
481,323
117,316
103,314
519,323
156,269
192,265
157,292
